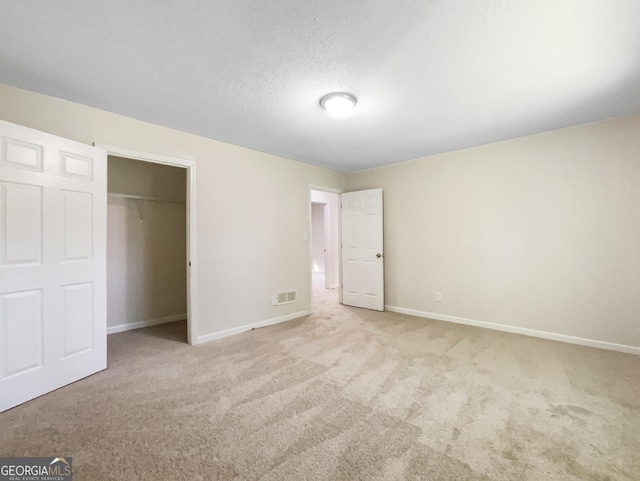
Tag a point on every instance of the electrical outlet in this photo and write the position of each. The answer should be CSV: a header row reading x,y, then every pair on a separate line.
x,y
439,296
274,300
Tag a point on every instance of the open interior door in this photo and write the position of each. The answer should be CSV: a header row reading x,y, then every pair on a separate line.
x,y
52,263
362,253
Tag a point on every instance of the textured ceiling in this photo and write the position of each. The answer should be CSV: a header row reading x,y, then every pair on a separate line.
x,y
430,76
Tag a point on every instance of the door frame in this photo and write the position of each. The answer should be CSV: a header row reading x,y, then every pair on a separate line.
x,y
191,264
331,190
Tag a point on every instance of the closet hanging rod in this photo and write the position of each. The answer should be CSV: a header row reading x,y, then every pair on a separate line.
x,y
113,195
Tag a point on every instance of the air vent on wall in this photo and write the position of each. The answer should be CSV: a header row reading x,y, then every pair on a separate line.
x,y
283,298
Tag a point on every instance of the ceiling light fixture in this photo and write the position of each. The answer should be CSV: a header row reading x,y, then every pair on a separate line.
x,y
338,104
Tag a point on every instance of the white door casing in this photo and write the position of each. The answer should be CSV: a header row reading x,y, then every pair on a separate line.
x,y
362,249
52,263
191,259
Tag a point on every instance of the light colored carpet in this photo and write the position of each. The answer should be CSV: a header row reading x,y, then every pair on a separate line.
x,y
344,394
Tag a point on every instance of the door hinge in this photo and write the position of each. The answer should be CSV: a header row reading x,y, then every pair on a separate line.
x,y
189,263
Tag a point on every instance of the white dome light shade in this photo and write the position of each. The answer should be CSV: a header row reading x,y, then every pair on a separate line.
x,y
338,104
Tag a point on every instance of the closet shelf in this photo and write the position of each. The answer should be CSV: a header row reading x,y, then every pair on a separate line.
x,y
113,195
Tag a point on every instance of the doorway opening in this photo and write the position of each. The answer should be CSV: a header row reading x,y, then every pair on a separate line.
x,y
325,244
150,244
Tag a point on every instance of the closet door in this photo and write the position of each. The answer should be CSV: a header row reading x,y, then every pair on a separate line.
x,y
52,263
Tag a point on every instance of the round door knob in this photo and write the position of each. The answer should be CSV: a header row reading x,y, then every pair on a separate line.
x,y
378,255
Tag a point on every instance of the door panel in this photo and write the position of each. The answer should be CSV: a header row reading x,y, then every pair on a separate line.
x,y
21,155
362,249
22,348
78,220
22,226
78,317
52,263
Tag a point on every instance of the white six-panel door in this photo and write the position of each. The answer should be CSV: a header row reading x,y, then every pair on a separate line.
x,y
52,263
362,253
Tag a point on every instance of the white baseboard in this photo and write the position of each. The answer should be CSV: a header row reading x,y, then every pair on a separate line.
x,y
151,322
237,330
519,330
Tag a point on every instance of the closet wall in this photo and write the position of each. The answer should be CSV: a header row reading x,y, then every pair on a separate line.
x,y
146,244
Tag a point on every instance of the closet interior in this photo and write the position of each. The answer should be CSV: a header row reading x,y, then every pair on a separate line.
x,y
146,246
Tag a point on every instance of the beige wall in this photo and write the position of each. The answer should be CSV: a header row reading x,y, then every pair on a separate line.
x,y
253,208
541,232
146,244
